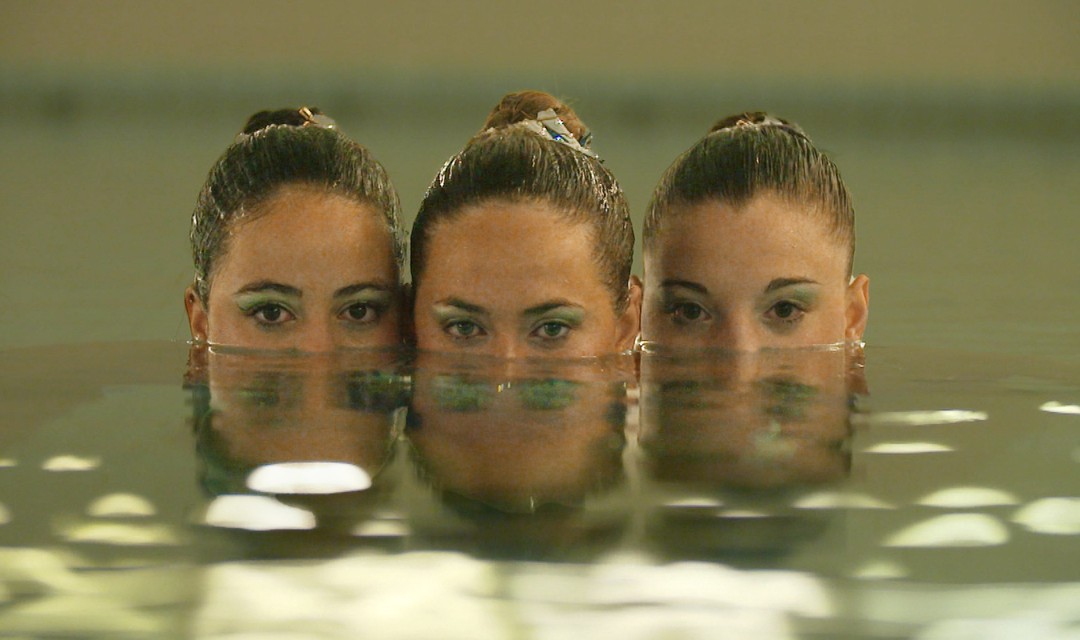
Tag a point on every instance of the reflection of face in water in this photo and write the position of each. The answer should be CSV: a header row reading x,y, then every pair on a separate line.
x,y
747,420
519,441
262,409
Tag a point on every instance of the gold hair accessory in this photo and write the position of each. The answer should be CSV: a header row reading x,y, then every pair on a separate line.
x,y
312,119
766,121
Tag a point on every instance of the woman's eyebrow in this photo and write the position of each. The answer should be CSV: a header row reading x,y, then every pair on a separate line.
x,y
461,304
268,285
686,284
780,283
541,309
359,287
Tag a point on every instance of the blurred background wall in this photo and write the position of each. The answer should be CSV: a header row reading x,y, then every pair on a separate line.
x,y
955,124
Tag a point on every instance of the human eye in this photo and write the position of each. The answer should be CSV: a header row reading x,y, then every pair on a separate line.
x,y
463,329
686,312
786,311
360,313
270,314
551,330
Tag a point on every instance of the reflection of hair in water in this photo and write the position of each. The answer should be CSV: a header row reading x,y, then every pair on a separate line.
x,y
510,161
748,154
277,148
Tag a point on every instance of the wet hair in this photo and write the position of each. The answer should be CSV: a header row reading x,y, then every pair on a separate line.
x,y
748,154
509,161
275,149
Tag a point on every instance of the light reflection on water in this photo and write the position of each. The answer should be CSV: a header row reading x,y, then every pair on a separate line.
x,y
786,494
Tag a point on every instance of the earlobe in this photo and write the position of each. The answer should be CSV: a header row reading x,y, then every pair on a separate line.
x,y
858,307
630,321
198,321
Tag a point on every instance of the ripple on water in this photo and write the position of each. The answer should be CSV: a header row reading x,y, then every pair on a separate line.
x,y
71,463
918,418
968,497
880,570
841,500
908,448
309,478
952,530
256,513
121,505
1055,516
121,534
1057,407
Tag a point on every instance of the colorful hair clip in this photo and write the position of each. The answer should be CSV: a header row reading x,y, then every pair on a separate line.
x,y
550,125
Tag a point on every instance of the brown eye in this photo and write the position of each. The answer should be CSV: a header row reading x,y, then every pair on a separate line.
x,y
787,311
271,314
688,311
360,312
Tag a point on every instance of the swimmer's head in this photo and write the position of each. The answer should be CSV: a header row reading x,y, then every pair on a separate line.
x,y
295,240
523,243
509,161
749,241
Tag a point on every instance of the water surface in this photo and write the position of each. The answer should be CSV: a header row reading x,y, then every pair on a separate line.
x,y
149,491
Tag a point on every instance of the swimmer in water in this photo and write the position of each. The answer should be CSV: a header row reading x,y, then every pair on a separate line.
x,y
523,243
296,241
749,241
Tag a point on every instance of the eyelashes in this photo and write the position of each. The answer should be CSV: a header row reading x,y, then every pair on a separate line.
x,y
782,313
269,313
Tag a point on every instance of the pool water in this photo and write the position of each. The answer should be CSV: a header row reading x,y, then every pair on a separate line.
x,y
149,490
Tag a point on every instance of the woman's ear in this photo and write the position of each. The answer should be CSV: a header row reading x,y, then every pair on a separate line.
x,y
198,321
629,322
858,307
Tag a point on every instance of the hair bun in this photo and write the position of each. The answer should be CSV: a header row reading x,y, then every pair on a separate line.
x,y
756,119
525,105
294,117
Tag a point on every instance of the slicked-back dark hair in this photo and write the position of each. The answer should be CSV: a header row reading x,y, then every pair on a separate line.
x,y
512,163
278,148
748,154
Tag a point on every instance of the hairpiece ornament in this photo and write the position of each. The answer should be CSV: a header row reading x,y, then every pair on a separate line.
x,y
759,120
312,119
765,121
549,125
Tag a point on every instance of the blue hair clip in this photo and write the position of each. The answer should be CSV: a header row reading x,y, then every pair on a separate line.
x,y
550,125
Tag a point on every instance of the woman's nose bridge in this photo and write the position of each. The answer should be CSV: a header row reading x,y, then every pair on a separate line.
x,y
738,331
506,345
319,335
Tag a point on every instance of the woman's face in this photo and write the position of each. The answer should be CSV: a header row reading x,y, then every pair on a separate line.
x,y
516,279
765,275
312,271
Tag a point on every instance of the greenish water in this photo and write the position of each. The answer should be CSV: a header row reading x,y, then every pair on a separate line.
x,y
933,495
914,493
